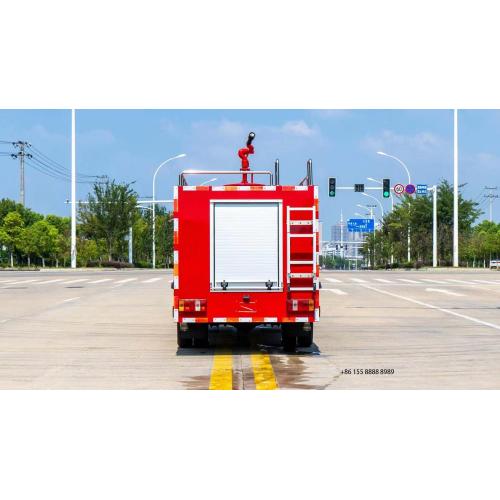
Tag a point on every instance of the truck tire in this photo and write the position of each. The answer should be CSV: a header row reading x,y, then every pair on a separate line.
x,y
305,338
289,342
199,333
289,337
184,339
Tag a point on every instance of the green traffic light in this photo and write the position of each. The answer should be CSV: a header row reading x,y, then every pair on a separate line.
x,y
386,184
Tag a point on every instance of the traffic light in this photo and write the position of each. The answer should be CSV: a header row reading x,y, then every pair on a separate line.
x,y
359,188
386,187
331,186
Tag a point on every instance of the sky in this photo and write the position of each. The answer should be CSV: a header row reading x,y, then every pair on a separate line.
x,y
128,145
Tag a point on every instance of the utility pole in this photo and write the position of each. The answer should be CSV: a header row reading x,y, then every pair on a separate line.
x,y
455,188
342,236
434,226
130,246
73,190
491,197
21,155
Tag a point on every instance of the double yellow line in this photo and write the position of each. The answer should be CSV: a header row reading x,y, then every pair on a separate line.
x,y
221,377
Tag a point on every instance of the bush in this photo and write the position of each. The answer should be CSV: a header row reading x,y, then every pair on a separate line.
x,y
116,264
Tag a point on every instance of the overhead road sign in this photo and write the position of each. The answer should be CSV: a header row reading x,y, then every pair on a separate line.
x,y
399,189
360,225
422,189
410,189
359,188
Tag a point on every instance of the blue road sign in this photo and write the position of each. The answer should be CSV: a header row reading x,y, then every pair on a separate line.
x,y
360,225
410,188
422,189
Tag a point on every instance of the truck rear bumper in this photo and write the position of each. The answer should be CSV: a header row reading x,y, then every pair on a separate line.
x,y
251,319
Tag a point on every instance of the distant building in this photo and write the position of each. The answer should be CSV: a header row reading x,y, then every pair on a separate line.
x,y
344,243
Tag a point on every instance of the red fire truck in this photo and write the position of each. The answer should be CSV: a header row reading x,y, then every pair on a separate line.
x,y
245,255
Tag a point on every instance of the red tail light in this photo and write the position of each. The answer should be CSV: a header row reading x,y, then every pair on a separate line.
x,y
192,305
300,305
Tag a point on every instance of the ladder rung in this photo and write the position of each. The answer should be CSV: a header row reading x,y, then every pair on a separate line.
x,y
300,235
298,208
311,262
301,223
301,289
301,275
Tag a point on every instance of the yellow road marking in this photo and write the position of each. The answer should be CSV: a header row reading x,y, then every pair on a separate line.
x,y
221,377
263,372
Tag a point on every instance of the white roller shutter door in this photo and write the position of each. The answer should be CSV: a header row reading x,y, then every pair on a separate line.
x,y
246,244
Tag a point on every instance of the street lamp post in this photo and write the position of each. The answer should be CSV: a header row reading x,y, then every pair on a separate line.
x,y
154,204
370,207
378,201
382,211
434,225
409,182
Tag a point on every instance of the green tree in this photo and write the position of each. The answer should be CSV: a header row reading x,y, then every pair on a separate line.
x,y
11,233
44,239
28,244
86,251
110,212
414,214
29,217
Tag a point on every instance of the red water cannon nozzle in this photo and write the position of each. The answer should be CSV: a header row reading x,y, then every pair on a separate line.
x,y
244,152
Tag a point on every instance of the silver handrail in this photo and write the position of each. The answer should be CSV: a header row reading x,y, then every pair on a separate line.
x,y
182,175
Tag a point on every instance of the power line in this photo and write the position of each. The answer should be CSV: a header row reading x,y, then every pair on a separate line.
x,y
49,173
47,160
55,164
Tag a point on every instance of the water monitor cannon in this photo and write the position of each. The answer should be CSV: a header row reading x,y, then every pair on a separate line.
x,y
243,154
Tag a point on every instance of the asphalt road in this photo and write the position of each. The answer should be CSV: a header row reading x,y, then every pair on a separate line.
x,y
113,330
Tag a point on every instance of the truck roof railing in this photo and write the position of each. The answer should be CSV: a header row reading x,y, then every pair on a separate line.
x,y
251,173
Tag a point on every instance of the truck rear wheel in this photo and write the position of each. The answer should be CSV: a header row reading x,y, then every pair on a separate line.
x,y
289,342
305,338
184,339
199,333
289,337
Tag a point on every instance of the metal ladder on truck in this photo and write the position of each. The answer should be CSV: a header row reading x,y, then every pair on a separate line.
x,y
303,280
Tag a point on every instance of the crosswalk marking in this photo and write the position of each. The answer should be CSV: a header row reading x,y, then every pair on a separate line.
x,y
48,281
152,280
447,292
100,281
335,290
435,281
333,280
408,281
126,280
483,281
382,280
21,281
358,280
75,281
459,281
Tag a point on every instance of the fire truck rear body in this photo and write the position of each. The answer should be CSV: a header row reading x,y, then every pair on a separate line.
x,y
245,254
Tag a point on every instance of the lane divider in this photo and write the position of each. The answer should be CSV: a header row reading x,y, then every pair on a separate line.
x,y
221,377
263,372
436,308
